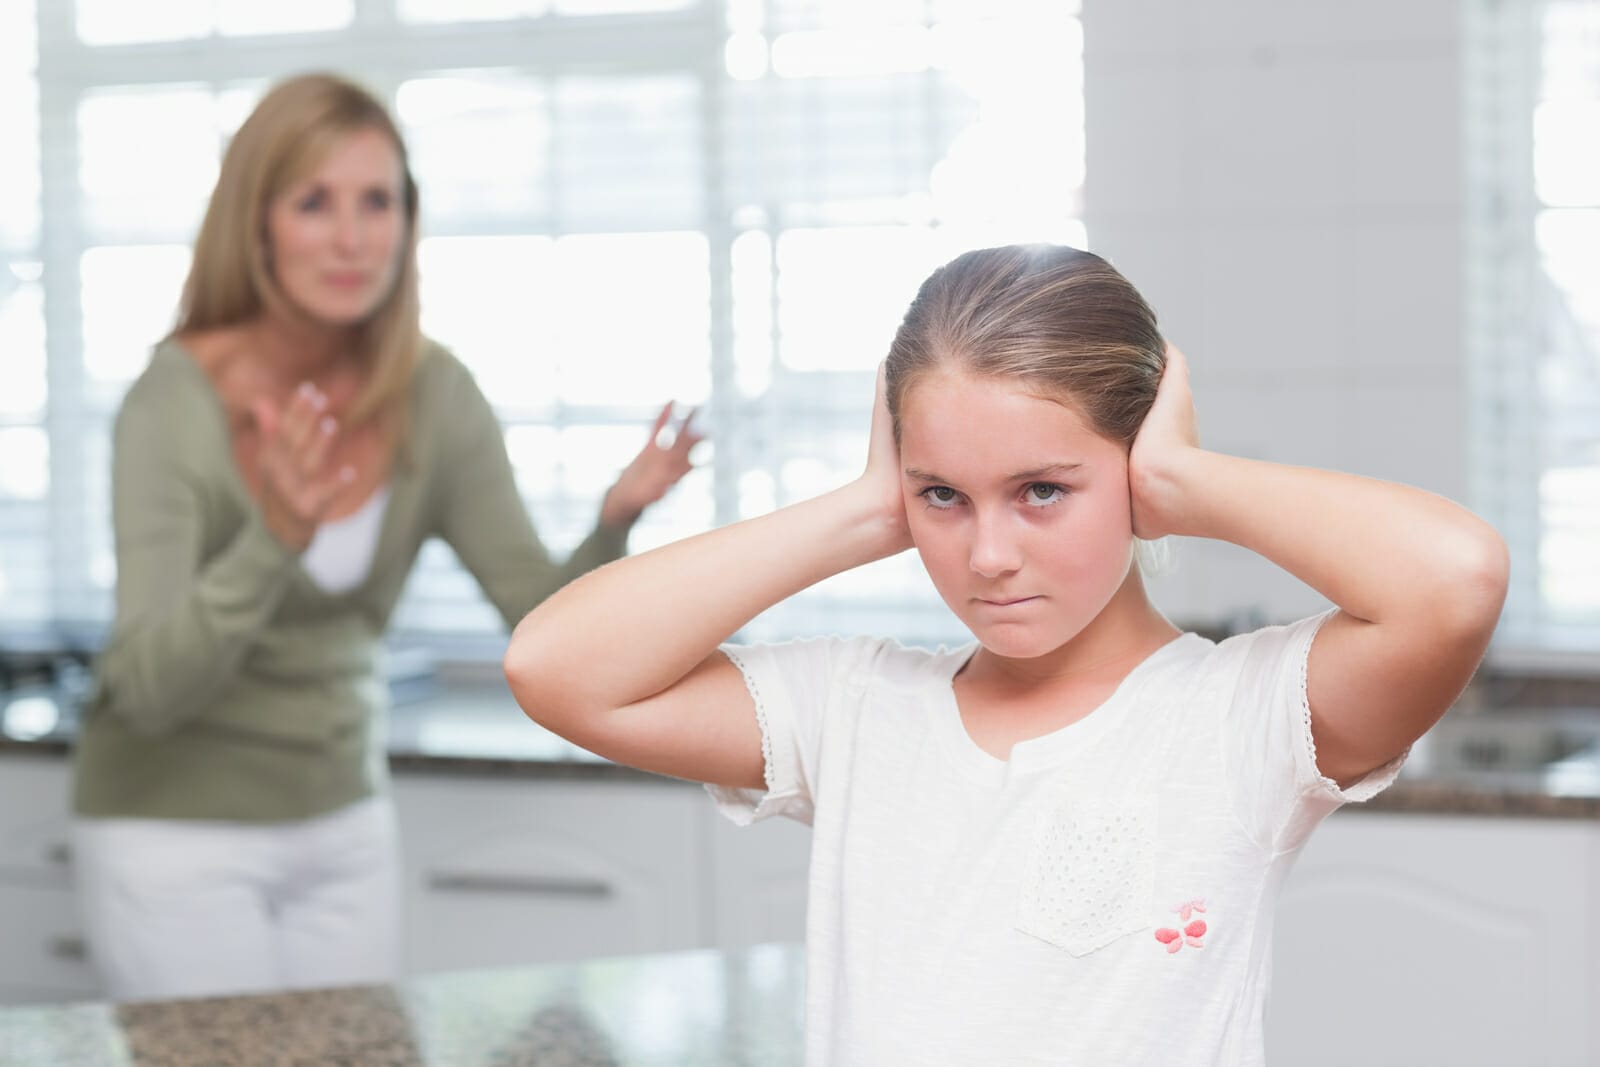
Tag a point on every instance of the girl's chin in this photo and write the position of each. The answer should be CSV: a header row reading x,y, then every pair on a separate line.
x,y
1015,642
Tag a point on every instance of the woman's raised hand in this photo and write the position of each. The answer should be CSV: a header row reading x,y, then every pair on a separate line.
x,y
1166,439
298,481
656,469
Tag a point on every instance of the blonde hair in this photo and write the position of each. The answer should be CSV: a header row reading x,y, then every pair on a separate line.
x,y
230,278
1061,322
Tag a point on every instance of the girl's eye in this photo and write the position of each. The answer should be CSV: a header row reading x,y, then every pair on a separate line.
x,y
940,496
379,199
1040,494
312,201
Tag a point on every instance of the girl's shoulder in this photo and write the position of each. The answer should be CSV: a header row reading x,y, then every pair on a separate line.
x,y
1237,670
869,661
1267,647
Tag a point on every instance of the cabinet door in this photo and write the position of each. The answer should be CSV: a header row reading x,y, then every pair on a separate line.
x,y
43,957
1429,939
42,951
501,873
35,811
760,881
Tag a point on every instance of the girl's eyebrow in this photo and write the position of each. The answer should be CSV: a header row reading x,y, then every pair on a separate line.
x,y
1033,474
1049,470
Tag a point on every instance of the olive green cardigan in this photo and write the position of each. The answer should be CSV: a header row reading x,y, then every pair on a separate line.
x,y
233,687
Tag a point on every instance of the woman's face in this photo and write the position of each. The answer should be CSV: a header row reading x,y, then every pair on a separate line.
x,y
334,237
1019,510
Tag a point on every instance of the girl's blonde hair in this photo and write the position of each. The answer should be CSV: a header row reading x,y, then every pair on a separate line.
x,y
1061,322
230,281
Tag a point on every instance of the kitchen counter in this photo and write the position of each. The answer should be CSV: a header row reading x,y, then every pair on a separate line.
x,y
473,728
1541,763
695,1009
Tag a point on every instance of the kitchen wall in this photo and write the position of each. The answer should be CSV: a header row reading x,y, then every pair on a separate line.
x,y
1284,183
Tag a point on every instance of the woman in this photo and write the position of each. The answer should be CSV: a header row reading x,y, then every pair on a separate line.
x,y
276,469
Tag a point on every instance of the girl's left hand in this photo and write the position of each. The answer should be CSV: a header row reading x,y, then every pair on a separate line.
x,y
1165,440
652,472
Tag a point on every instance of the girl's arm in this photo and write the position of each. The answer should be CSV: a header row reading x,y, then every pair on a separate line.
x,y
624,660
1419,581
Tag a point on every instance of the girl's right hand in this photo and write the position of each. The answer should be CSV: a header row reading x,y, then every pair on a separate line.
x,y
297,482
881,480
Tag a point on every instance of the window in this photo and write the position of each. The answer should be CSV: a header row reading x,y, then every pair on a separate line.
x,y
1534,293
726,203
25,519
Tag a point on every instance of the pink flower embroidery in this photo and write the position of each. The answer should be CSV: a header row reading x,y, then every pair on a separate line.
x,y
1191,932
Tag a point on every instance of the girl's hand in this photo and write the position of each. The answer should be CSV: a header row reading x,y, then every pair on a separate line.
x,y
881,480
297,482
1166,439
652,472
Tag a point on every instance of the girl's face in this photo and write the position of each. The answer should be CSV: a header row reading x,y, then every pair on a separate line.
x,y
1019,510
334,237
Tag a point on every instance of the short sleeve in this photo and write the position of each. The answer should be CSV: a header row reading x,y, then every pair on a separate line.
x,y
790,684
1266,736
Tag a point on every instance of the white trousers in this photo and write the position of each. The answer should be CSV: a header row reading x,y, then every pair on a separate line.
x,y
177,908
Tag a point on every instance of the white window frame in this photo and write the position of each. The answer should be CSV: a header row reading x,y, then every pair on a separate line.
x,y
383,51
1515,317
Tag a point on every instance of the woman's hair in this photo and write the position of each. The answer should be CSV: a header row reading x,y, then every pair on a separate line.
x,y
1060,322
288,135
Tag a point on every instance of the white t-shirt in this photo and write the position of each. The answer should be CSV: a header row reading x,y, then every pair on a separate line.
x,y
1104,897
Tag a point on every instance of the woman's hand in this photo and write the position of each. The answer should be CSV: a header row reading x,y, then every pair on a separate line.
x,y
652,472
880,482
1166,441
297,481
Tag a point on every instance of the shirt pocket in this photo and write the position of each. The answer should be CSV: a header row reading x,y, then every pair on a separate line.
x,y
1090,875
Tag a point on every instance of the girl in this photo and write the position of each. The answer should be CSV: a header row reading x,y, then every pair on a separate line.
x,y
1062,843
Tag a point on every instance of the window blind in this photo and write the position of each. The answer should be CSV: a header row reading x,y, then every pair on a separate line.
x,y
727,204
1533,287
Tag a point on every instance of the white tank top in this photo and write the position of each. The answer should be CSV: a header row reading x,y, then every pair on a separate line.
x,y
340,554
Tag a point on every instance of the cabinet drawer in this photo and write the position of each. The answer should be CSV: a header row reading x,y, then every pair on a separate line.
x,y
502,873
34,821
44,946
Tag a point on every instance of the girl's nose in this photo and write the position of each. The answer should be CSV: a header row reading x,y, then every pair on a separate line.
x,y
995,550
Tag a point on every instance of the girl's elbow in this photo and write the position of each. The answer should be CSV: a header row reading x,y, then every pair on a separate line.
x,y
1481,576
528,676
521,676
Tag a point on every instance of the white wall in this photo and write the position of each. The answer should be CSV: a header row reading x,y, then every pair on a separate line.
x,y
1283,182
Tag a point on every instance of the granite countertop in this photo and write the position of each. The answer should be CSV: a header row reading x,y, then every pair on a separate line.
x,y
689,1009
1542,762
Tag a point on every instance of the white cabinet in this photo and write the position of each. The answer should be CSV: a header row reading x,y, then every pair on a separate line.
x,y
507,871
758,878
1423,939
42,950
499,871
